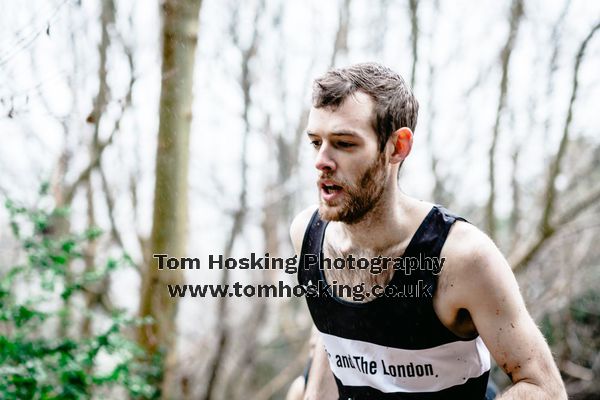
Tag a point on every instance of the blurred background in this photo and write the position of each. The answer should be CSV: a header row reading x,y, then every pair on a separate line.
x,y
130,128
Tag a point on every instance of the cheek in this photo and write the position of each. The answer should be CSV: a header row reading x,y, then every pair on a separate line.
x,y
354,170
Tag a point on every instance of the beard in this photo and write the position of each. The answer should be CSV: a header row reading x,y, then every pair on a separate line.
x,y
358,199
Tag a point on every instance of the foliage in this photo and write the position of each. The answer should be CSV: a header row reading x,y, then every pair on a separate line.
x,y
580,322
36,363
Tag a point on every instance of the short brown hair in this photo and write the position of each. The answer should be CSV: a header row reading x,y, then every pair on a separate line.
x,y
395,106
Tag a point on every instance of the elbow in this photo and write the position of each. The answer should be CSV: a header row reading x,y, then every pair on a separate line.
x,y
559,392
550,389
553,390
556,387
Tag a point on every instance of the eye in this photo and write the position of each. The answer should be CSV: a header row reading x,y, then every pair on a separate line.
x,y
315,143
345,145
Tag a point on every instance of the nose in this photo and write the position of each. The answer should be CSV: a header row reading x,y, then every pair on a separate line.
x,y
324,162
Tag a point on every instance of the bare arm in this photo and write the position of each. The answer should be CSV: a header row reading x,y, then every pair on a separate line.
x,y
489,291
321,384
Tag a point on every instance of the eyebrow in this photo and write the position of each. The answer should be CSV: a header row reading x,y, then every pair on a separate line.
x,y
341,132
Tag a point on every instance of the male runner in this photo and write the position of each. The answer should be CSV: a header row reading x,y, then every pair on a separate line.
x,y
431,336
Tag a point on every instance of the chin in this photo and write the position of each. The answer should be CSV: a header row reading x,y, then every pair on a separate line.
x,y
337,213
329,213
343,213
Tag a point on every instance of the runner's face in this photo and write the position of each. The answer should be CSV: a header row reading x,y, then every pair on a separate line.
x,y
352,171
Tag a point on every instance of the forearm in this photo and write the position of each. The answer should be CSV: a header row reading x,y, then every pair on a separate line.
x,y
321,384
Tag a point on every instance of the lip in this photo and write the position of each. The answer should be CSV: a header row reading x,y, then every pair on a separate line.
x,y
331,196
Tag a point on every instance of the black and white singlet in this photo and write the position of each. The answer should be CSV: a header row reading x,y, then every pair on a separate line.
x,y
395,347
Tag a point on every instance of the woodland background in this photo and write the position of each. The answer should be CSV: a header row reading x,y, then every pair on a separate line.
x,y
178,127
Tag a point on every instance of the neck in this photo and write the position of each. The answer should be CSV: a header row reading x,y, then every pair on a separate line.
x,y
385,225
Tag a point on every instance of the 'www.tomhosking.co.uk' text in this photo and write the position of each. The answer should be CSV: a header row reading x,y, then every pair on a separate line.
x,y
358,292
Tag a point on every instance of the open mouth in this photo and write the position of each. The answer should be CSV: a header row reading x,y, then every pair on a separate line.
x,y
330,189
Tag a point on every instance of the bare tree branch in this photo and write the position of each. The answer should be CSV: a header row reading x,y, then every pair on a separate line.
x,y
222,334
100,100
414,38
284,377
341,37
27,39
515,19
110,201
550,193
84,175
547,228
515,214
379,26
574,211
553,65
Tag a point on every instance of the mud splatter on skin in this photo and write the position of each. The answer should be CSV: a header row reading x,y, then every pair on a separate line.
x,y
510,372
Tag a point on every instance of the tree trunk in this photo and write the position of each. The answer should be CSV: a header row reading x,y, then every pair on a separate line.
x,y
169,227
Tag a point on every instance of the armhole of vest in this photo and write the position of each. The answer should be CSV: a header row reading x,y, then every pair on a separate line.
x,y
450,214
304,246
441,240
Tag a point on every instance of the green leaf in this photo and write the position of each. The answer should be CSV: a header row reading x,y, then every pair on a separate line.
x,y
34,362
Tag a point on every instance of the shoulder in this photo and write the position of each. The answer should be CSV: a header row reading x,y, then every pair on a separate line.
x,y
468,244
298,226
475,265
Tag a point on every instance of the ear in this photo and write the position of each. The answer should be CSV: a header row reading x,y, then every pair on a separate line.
x,y
402,141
